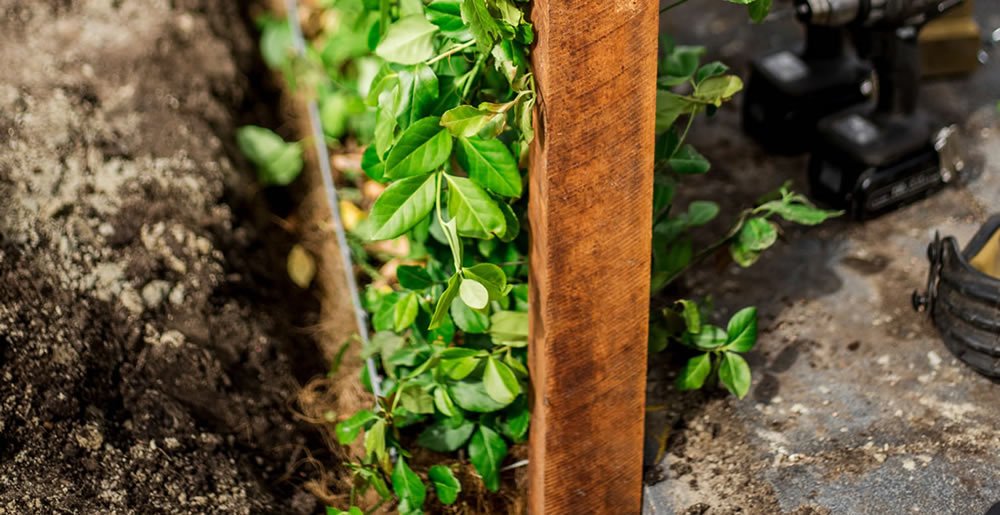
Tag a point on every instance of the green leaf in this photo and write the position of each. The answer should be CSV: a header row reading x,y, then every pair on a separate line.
x,y
500,383
800,213
716,90
475,213
408,41
443,402
691,314
405,312
354,510
474,294
446,435
375,440
276,43
491,277
712,69
757,234
741,333
734,373
759,9
348,430
372,165
447,15
470,395
669,107
413,277
460,368
486,452
681,64
694,373
742,255
516,419
277,162
700,212
424,146
445,484
490,165
416,399
467,319
510,219
444,302
407,484
401,206
687,161
710,337
481,23
466,121
509,327
419,90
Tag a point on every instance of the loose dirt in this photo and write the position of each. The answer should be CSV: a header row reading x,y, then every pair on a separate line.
x,y
151,345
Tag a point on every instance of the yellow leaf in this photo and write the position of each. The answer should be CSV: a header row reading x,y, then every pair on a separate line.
x,y
350,214
301,266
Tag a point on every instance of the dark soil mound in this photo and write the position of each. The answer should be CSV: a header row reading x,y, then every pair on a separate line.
x,y
150,347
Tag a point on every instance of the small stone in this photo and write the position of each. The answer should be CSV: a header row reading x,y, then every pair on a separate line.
x,y
154,292
909,464
934,359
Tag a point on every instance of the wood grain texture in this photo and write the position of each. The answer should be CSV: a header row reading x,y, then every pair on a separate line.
x,y
590,214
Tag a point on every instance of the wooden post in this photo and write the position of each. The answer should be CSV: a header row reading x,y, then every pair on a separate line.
x,y
590,213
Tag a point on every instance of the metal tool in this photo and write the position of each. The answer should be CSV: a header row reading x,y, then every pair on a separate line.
x,y
872,159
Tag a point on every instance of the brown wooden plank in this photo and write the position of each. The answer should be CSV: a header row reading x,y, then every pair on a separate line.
x,y
590,213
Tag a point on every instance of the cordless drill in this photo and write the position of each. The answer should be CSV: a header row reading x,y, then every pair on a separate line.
x,y
789,92
872,159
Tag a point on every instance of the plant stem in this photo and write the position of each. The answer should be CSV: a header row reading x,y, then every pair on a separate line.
x,y
671,6
454,50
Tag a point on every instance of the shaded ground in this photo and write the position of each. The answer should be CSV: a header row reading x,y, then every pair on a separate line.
x,y
149,341
856,405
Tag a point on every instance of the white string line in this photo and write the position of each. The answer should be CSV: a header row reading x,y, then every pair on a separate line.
x,y
319,141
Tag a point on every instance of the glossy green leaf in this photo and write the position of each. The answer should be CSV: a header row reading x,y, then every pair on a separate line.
x,y
470,395
407,485
405,311
694,373
375,440
691,314
446,485
759,10
447,15
474,294
467,319
700,212
481,23
710,337
446,435
408,41
413,277
716,90
466,121
734,373
401,206
373,167
423,147
687,161
443,402
490,276
509,327
459,368
486,452
741,333
757,234
490,165
475,213
348,430
419,90
445,300
500,383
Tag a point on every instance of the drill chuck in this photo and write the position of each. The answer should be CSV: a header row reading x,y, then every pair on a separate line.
x,y
838,13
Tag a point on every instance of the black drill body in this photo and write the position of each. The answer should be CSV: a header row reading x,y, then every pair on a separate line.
x,y
872,159
789,92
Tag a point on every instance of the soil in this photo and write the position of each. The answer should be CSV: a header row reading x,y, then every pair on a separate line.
x,y
151,345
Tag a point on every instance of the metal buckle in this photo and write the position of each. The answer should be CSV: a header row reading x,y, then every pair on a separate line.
x,y
935,254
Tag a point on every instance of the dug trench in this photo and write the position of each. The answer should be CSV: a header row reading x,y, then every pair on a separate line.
x,y
151,344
